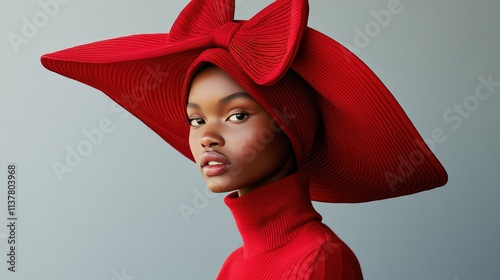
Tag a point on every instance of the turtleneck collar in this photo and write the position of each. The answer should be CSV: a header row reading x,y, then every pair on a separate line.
x,y
270,216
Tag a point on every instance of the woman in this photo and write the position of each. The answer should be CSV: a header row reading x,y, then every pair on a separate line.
x,y
272,111
239,147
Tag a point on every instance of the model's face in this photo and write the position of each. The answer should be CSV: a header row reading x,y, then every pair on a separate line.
x,y
234,141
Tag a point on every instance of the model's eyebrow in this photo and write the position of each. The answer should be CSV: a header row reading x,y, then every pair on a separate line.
x,y
223,101
193,106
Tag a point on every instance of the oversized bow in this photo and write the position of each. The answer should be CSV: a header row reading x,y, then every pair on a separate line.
x,y
264,46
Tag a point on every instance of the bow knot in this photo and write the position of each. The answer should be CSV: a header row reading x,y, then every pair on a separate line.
x,y
264,46
223,36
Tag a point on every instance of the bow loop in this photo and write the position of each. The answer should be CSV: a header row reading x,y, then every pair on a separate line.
x,y
264,46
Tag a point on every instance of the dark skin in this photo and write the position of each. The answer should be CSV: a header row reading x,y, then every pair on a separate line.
x,y
233,139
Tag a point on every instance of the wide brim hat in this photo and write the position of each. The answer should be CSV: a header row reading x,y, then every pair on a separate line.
x,y
368,148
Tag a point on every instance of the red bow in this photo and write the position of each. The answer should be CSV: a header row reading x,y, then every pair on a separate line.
x,y
264,46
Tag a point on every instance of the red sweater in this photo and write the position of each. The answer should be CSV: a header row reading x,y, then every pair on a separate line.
x,y
283,237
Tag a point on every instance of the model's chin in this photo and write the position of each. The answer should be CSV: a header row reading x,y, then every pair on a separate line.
x,y
219,184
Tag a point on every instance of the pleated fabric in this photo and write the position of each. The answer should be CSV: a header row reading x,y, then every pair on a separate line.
x,y
348,131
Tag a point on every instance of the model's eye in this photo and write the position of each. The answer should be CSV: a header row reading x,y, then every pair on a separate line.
x,y
196,122
237,117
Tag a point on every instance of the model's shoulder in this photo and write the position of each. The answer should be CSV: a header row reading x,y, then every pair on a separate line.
x,y
319,259
316,238
321,254
316,235
322,259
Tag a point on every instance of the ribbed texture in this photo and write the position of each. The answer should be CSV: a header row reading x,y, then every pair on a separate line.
x,y
263,46
353,96
283,237
347,130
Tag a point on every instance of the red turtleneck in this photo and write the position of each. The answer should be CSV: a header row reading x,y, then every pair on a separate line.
x,y
283,237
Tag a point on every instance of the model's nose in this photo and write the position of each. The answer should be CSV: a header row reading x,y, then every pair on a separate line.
x,y
207,142
211,137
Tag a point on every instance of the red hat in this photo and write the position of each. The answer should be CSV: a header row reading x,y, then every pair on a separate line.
x,y
351,136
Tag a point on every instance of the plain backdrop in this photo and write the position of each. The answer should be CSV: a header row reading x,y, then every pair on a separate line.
x,y
116,214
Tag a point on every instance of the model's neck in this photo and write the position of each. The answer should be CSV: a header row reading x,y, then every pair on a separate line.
x,y
270,216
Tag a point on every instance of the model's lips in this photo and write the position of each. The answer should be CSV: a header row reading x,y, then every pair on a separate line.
x,y
214,163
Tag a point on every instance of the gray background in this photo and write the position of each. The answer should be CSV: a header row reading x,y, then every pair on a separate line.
x,y
116,215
